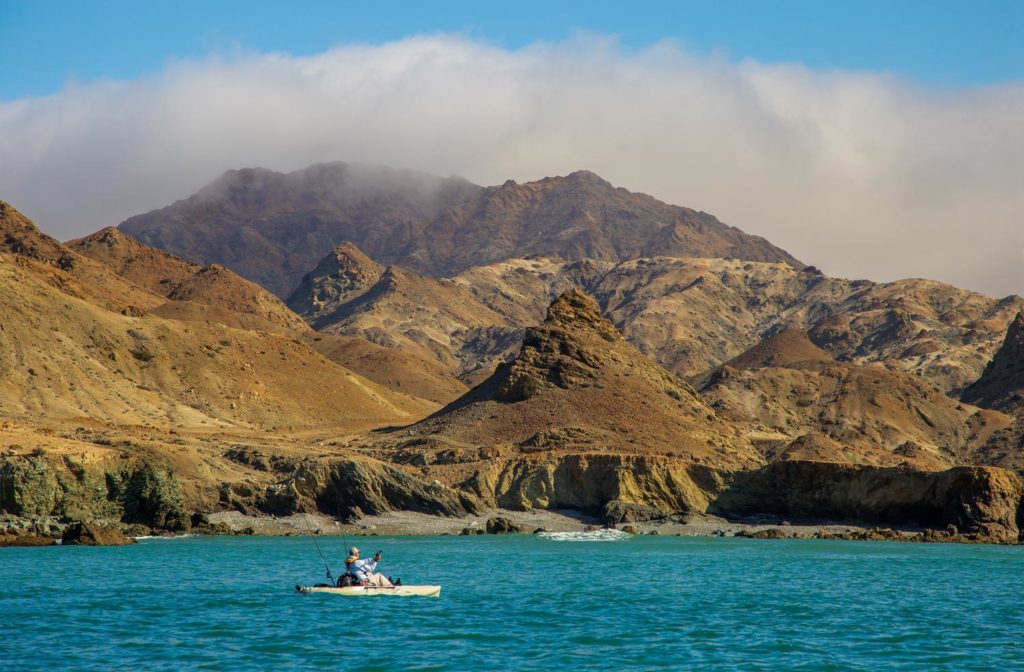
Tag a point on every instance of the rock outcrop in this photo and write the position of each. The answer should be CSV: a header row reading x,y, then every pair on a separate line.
x,y
501,525
121,488
355,486
25,540
91,534
980,501
343,275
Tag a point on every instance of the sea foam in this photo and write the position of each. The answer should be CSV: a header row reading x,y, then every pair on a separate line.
x,y
606,534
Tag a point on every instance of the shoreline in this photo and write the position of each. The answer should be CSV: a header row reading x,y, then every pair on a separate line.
x,y
409,523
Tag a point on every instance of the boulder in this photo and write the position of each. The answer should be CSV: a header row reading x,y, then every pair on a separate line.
x,y
502,526
617,511
25,540
91,534
772,533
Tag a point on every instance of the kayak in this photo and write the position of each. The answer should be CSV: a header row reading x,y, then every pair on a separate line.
x,y
370,591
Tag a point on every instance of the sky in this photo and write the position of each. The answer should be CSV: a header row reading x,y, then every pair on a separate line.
x,y
873,139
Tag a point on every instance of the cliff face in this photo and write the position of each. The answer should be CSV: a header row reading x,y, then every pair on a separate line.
x,y
983,501
272,228
121,488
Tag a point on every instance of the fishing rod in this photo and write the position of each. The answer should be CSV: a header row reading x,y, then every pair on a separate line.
x,y
322,559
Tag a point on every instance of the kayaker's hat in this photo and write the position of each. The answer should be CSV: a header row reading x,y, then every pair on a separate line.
x,y
353,551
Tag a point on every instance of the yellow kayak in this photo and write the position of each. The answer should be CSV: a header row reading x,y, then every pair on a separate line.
x,y
371,591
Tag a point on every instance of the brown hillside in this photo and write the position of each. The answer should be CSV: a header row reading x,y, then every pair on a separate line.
x,y
66,355
397,369
427,317
214,293
576,385
869,414
69,272
273,228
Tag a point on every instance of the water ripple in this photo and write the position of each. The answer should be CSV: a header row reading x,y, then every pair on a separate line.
x,y
517,602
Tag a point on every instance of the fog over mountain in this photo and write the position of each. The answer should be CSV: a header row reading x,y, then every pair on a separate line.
x,y
860,173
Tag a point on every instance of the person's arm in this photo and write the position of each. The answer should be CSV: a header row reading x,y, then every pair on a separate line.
x,y
367,564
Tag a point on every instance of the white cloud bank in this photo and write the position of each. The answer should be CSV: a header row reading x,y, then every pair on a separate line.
x,y
861,174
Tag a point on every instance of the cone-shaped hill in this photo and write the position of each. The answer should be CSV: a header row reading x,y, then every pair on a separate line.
x,y
577,385
789,346
341,276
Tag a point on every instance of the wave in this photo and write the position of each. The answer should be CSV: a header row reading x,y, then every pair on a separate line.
x,y
162,536
597,535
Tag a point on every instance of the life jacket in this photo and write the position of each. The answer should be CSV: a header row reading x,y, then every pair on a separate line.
x,y
349,561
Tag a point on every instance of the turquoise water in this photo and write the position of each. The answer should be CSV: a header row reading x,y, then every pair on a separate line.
x,y
516,603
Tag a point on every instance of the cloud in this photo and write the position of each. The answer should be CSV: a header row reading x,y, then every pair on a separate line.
x,y
859,173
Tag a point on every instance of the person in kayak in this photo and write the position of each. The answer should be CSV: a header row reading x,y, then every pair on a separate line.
x,y
362,570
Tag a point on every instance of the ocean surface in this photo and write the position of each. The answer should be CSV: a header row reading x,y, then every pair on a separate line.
x,y
516,603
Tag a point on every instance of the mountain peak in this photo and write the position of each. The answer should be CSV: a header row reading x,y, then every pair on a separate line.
x,y
574,309
573,347
21,237
345,273
588,177
427,224
789,346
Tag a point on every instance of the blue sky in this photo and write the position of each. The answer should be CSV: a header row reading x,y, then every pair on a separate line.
x,y
871,139
44,44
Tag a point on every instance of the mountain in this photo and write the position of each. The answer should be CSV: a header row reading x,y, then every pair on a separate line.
x,y
808,406
80,344
430,318
344,274
1001,385
576,384
272,228
224,296
692,315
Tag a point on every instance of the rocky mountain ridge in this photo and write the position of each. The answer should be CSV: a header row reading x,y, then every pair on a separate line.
x,y
272,228
690,315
